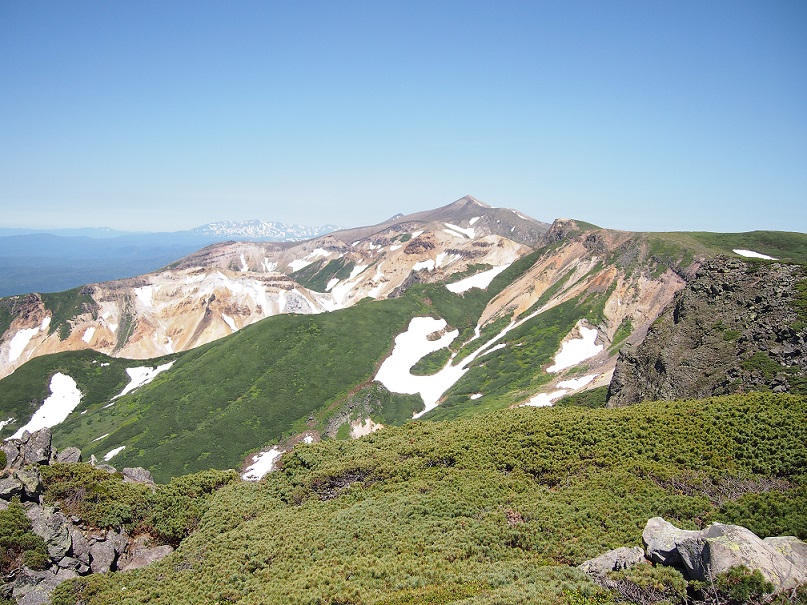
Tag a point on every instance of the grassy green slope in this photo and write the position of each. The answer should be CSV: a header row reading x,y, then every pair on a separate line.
x,y
682,246
98,376
492,509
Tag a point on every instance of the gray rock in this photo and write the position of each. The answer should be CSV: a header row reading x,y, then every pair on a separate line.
x,y
119,540
31,481
3,505
81,547
53,527
75,565
37,448
12,451
613,560
704,554
108,468
102,556
10,487
661,540
69,455
793,549
137,475
142,557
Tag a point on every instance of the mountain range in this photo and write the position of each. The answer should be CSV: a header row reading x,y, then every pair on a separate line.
x,y
458,372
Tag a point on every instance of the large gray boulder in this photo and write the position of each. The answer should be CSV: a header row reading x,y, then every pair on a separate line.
x,y
143,556
34,587
37,449
10,487
702,555
31,481
793,549
81,546
613,560
53,527
69,455
11,449
137,475
102,556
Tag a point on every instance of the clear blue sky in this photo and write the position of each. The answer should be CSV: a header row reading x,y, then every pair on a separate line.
x,y
633,115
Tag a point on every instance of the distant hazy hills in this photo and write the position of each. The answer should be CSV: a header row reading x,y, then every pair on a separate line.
x,y
55,260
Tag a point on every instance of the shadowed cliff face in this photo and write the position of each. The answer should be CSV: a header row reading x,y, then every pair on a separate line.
x,y
736,327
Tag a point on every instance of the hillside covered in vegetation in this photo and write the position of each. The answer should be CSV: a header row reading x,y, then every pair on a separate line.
x,y
498,508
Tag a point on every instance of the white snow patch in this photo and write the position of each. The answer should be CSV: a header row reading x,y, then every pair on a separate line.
x,y
145,295
378,274
395,247
5,422
20,341
545,399
469,232
105,364
244,265
474,219
112,453
417,234
140,376
576,383
318,252
480,280
169,344
357,270
356,242
88,335
752,254
360,429
64,398
268,266
410,347
475,395
574,351
298,264
230,322
104,436
331,284
424,264
263,462
308,439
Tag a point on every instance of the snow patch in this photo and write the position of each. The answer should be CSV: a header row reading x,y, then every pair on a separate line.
x,y
263,462
64,398
5,422
112,453
576,350
268,266
88,335
395,247
417,234
752,254
576,383
308,439
145,295
542,400
20,341
230,322
104,436
424,264
244,265
140,376
331,284
474,219
480,280
475,395
357,270
469,232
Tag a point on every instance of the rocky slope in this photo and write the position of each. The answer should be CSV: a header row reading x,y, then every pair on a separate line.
x,y
224,287
738,326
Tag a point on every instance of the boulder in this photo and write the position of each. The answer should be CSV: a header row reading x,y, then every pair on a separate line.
x,y
34,587
12,451
143,556
137,475
10,487
704,554
69,455
31,481
81,547
37,449
53,527
75,565
102,556
613,560
661,540
793,549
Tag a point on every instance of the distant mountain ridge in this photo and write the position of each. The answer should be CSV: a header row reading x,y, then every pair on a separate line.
x,y
261,230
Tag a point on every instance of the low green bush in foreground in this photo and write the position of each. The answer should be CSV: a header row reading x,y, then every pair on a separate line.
x,y
498,508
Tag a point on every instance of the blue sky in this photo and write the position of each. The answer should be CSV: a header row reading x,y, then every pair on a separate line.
x,y
633,115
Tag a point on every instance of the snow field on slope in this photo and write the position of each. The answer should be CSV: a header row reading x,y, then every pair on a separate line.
x,y
480,280
112,453
752,254
64,398
23,337
576,350
140,376
263,462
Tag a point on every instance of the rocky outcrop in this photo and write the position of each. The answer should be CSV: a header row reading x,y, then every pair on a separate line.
x,y
734,328
613,560
702,555
73,548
